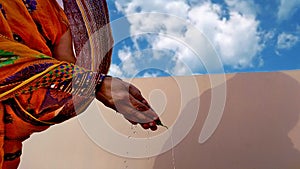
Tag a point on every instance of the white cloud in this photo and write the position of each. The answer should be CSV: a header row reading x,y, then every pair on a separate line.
x,y
241,6
268,35
115,70
175,7
128,60
143,63
147,74
287,8
287,41
236,39
233,32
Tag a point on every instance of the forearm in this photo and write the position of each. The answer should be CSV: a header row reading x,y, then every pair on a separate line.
x,y
27,74
37,91
63,50
20,64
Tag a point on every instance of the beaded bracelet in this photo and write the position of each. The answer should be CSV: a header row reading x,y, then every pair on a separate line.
x,y
85,84
100,80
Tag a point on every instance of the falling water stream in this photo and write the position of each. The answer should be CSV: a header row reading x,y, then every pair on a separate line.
x,y
134,132
172,150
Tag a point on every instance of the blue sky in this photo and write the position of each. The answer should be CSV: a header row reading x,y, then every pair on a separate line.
x,y
247,36
187,37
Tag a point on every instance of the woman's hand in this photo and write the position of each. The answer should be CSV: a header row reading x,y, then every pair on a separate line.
x,y
127,100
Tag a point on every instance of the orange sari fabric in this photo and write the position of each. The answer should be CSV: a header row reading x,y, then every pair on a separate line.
x,y
28,32
35,90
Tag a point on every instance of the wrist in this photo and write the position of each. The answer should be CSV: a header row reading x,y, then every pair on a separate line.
x,y
99,81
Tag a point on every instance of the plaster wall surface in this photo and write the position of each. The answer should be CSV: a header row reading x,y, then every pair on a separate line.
x,y
259,128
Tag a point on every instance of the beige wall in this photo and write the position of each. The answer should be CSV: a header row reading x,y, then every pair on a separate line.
x,y
260,128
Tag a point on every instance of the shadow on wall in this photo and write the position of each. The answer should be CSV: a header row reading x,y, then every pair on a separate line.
x,y
261,109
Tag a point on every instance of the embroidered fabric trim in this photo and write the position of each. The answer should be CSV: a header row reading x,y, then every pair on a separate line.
x,y
70,79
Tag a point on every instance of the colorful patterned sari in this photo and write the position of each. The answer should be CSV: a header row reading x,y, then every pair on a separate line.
x,y
36,90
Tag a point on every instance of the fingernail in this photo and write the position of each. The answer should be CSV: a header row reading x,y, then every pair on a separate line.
x,y
153,128
145,126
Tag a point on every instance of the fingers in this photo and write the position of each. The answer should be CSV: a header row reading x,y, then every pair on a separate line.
x,y
138,105
137,112
135,117
151,125
143,108
126,99
136,93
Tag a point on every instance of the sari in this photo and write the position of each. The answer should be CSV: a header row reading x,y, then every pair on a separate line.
x,y
36,90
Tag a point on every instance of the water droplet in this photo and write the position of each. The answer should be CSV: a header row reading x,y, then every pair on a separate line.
x,y
172,150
